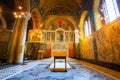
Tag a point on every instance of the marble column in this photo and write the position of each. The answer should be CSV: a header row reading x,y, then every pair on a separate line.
x,y
77,51
19,55
13,42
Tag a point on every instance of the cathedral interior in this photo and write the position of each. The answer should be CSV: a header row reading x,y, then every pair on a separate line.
x,y
59,39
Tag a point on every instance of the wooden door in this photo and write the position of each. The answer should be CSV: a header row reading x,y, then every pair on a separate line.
x,y
71,50
48,50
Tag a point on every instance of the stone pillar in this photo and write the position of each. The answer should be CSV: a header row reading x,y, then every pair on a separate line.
x,y
13,42
21,39
77,51
17,43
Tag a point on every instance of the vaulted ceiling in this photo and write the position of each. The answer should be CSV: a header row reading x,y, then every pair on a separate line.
x,y
60,6
46,7
54,10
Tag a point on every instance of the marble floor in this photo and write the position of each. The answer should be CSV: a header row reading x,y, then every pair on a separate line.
x,y
59,65
39,70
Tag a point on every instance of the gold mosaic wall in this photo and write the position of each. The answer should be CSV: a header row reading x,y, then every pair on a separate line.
x,y
86,48
103,45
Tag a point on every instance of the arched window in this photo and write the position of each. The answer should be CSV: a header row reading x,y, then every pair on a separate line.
x,y
110,10
87,27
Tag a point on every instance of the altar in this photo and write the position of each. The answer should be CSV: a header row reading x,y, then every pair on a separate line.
x,y
58,42
59,53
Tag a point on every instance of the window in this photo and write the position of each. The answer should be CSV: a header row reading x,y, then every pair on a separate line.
x,y
110,10
87,27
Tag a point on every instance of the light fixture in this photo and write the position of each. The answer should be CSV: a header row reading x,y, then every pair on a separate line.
x,y
20,7
101,9
19,14
22,13
101,17
14,13
16,16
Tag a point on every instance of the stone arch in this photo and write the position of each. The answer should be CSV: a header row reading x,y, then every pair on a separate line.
x,y
68,19
64,21
82,20
36,18
3,24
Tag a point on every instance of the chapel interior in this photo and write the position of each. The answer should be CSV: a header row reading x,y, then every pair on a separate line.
x,y
43,30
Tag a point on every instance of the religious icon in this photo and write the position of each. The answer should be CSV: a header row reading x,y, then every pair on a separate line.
x,y
52,36
60,36
37,36
48,36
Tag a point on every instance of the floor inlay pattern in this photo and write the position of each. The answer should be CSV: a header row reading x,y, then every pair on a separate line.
x,y
11,71
79,72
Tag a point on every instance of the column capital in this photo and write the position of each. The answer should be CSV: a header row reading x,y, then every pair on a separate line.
x,y
21,14
27,15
